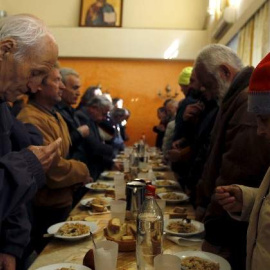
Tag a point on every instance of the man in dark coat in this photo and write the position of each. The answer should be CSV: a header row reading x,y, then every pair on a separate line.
x,y
27,53
98,155
237,155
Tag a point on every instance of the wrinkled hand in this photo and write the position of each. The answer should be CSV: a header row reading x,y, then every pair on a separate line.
x,y
84,130
229,197
88,180
183,154
47,155
161,127
176,144
174,155
117,167
192,111
7,262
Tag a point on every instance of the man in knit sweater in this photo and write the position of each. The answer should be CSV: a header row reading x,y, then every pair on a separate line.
x,y
53,202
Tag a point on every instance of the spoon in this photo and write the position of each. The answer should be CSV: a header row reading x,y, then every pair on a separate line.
x,y
92,238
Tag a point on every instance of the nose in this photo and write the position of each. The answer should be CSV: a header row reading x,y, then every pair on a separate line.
x,y
62,86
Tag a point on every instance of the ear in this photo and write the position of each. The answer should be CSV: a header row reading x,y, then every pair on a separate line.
x,y
225,72
6,46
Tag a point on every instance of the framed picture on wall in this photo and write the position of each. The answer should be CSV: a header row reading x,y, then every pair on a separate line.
x,y
101,13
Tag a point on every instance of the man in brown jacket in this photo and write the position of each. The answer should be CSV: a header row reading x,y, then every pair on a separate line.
x,y
53,202
237,155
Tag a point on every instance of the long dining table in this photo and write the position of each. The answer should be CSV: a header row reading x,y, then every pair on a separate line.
x,y
61,251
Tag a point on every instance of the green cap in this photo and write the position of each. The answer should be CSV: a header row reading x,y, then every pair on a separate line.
x,y
184,76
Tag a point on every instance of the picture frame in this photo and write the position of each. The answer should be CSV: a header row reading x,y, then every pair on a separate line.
x,y
101,13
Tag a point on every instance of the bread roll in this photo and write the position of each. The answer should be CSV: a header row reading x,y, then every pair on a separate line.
x,y
114,225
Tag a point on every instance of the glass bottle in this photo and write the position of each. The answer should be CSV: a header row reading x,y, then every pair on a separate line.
x,y
150,224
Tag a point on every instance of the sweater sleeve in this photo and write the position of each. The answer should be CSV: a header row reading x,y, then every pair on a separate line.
x,y
66,172
20,175
15,232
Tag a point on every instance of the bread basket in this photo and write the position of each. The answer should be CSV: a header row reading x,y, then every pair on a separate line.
x,y
124,246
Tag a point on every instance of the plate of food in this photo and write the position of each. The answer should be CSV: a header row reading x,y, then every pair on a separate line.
x,y
108,175
160,175
105,201
72,230
166,183
98,186
173,197
160,167
194,260
64,266
183,227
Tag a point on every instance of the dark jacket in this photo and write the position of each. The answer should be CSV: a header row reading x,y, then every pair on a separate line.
x,y
97,155
237,156
21,175
72,121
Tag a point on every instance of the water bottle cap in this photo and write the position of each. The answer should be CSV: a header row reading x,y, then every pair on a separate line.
x,y
150,190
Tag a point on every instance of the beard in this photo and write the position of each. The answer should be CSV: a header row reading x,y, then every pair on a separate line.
x,y
223,87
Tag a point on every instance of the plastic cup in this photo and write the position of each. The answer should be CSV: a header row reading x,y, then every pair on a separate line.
x,y
119,186
162,204
167,261
126,165
118,209
106,253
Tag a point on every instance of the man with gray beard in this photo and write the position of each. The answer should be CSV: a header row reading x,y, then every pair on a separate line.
x,y
236,155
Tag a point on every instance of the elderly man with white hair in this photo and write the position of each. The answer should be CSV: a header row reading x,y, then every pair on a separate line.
x,y
237,155
94,152
27,53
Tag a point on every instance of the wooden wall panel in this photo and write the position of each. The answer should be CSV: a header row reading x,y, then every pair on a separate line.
x,y
136,81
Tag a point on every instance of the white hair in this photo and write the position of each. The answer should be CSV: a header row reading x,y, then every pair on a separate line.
x,y
27,30
65,72
100,102
215,55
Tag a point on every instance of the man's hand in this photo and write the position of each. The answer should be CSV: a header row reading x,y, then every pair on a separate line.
x,y
84,130
174,155
117,167
183,154
7,262
229,197
192,111
47,154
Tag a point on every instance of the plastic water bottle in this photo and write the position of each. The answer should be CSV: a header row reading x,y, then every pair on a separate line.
x,y
149,241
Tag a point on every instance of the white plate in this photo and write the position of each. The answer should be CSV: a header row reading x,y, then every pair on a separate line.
x,y
54,228
67,265
106,199
92,187
109,175
183,198
99,213
159,175
118,160
160,167
166,183
223,264
197,224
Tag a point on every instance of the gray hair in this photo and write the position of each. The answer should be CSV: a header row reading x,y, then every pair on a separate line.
x,y
100,102
65,72
25,29
214,55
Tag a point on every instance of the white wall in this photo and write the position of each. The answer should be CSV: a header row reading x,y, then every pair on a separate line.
x,y
173,14
137,38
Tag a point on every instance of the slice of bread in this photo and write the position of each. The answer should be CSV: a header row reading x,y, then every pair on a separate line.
x,y
98,207
114,225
